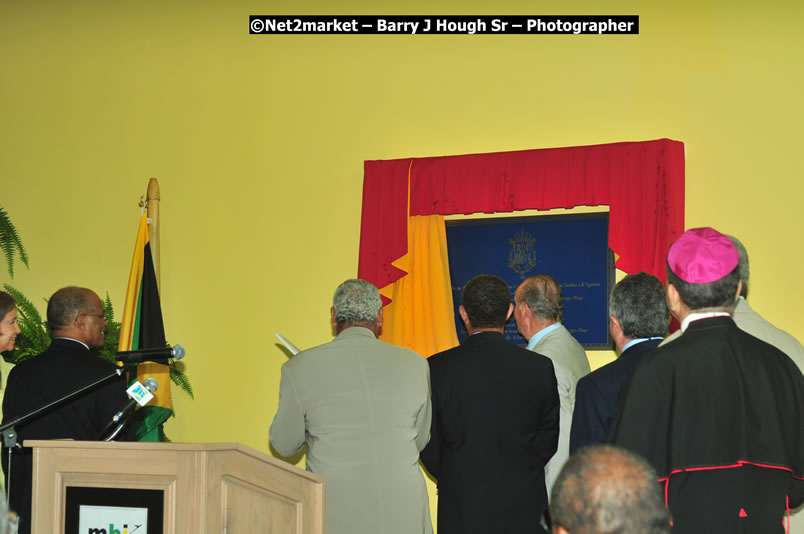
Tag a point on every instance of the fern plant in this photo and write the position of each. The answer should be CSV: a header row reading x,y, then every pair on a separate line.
x,y
34,336
178,377
10,243
110,341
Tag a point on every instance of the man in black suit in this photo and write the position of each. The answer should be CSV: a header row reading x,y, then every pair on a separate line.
x,y
638,318
77,324
495,422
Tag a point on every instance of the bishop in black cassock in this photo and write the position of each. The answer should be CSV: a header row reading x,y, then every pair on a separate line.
x,y
718,413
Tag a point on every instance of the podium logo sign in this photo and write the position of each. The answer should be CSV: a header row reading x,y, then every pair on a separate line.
x,y
112,520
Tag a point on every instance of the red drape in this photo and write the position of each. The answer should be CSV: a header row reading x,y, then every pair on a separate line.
x,y
641,182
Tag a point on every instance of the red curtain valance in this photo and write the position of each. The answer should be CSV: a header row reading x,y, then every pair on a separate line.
x,y
641,182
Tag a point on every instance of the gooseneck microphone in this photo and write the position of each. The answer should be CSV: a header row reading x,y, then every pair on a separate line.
x,y
151,355
139,394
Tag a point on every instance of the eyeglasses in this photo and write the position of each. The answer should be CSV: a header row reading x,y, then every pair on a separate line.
x,y
101,316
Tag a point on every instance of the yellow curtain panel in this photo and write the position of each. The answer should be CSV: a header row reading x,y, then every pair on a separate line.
x,y
421,315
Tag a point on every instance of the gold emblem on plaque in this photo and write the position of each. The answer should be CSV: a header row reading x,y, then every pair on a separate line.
x,y
522,257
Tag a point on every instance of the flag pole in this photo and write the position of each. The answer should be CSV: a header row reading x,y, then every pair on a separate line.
x,y
152,205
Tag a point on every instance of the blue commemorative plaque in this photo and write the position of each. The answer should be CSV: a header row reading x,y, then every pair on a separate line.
x,y
573,249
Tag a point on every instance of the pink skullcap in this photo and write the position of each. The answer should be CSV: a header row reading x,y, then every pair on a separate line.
x,y
702,255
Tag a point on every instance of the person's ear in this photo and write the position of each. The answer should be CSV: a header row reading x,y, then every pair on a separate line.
x,y
614,326
510,311
464,317
673,300
332,315
527,314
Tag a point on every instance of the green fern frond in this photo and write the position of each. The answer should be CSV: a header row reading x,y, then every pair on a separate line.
x,y
25,307
108,309
33,337
10,242
178,377
112,338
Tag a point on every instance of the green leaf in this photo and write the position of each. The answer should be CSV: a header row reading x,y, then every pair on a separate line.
x,y
178,377
10,242
34,336
112,338
25,307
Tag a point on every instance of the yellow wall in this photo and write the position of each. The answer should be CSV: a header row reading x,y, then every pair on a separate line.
x,y
258,143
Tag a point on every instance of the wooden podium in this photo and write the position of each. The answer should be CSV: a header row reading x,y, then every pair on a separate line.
x,y
208,488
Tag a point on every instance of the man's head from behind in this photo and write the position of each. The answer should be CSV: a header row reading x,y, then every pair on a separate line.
x,y
605,490
539,304
638,309
703,272
77,313
485,303
745,265
357,303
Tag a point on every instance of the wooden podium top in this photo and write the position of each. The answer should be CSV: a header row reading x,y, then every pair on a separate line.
x,y
240,490
174,447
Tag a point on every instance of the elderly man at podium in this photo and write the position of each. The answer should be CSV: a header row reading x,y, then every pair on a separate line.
x,y
77,324
362,407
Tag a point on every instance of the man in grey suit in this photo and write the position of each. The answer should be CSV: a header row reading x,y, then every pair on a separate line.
x,y
753,323
750,321
362,406
538,314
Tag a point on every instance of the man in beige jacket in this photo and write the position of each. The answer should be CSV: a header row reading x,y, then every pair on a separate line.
x,y
538,313
362,407
750,321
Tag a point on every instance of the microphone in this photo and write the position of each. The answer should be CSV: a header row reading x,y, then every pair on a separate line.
x,y
139,394
151,355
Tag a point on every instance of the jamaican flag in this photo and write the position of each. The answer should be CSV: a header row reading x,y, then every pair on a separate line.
x,y
142,328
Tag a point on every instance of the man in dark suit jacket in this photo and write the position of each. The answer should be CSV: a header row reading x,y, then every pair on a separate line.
x,y
638,318
495,422
77,323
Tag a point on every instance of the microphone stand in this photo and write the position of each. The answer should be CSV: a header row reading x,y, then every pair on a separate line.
x,y
10,435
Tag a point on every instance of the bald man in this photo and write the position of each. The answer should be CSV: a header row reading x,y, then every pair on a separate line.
x,y
77,323
604,489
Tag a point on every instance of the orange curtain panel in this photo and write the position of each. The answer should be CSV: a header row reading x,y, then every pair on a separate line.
x,y
420,315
